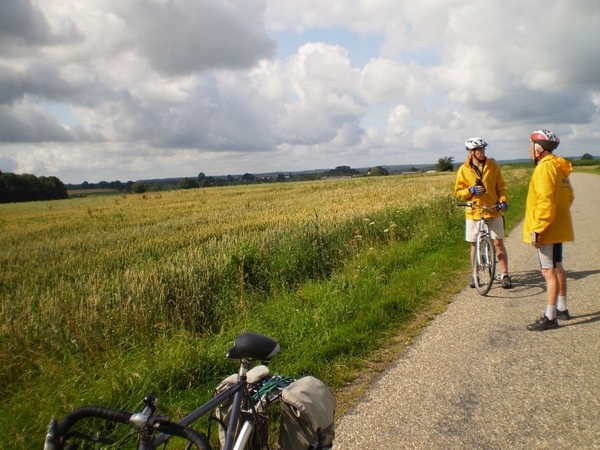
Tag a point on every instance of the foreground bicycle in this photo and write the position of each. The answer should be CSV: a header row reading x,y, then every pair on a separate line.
x,y
240,405
484,262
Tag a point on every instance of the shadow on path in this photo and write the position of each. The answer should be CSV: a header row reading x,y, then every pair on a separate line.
x,y
588,318
580,275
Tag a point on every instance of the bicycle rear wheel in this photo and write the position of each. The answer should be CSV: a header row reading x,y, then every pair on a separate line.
x,y
485,261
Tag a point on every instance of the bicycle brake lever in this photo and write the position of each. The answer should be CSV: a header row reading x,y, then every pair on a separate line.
x,y
52,442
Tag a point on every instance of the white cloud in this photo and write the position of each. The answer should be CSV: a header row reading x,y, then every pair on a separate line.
x,y
154,88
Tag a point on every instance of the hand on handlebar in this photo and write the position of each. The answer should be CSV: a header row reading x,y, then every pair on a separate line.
x,y
502,206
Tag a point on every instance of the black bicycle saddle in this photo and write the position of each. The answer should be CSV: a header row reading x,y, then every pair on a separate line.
x,y
253,346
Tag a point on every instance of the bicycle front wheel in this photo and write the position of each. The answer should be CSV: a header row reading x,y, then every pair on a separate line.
x,y
485,259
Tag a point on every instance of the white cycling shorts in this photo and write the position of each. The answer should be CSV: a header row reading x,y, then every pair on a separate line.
x,y
495,225
550,255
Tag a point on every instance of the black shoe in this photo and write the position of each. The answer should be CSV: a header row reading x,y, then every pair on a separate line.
x,y
506,282
563,315
543,323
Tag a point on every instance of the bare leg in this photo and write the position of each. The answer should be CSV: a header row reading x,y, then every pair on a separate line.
x,y
552,284
502,255
561,276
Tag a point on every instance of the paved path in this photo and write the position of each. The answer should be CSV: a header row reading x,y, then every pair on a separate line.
x,y
477,379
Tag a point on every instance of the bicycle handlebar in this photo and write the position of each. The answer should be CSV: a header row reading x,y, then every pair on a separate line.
x,y
174,429
58,432
495,206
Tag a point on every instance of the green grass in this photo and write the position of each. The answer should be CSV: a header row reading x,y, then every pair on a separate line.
x,y
588,168
331,294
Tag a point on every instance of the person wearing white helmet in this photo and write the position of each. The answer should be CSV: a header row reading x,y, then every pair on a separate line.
x,y
548,222
479,180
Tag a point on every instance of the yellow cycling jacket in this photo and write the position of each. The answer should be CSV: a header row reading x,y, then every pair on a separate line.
x,y
549,202
495,188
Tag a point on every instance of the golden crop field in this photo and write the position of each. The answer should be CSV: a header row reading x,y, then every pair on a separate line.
x,y
88,271
79,267
100,289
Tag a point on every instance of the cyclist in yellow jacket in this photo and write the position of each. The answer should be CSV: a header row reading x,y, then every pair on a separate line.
x,y
548,222
479,180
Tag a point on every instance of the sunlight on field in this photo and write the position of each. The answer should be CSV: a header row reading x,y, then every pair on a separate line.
x,y
91,269
106,285
85,257
97,264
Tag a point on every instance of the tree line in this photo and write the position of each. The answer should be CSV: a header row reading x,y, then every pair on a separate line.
x,y
24,188
29,188
204,181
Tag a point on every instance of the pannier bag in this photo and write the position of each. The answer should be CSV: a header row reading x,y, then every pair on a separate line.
x,y
223,411
307,411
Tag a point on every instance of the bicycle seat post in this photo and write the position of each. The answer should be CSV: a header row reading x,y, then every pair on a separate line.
x,y
244,367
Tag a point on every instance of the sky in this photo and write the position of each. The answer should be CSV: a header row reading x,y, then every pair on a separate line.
x,y
106,90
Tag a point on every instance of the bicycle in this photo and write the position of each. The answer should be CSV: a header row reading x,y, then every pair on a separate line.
x,y
249,395
484,262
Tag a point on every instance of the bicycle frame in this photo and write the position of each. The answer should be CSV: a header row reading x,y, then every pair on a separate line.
x,y
207,407
239,390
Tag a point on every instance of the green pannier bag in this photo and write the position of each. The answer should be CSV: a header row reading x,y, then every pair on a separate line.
x,y
307,415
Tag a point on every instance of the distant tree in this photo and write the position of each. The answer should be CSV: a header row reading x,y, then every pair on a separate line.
x,y
201,177
116,185
378,171
103,184
248,177
188,183
587,156
445,164
139,187
155,187
52,188
27,188
341,171
280,177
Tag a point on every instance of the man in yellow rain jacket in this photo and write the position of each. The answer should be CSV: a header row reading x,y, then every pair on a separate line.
x,y
479,180
548,222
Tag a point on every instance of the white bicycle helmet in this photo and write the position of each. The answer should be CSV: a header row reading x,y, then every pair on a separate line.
x,y
476,142
546,139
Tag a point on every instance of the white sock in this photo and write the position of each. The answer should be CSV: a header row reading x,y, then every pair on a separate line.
x,y
561,303
551,312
